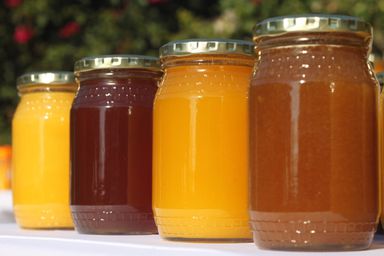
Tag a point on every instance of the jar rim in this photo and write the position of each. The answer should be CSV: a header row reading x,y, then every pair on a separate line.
x,y
206,46
117,61
310,23
35,78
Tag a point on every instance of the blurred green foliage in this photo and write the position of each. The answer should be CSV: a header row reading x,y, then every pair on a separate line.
x,y
51,35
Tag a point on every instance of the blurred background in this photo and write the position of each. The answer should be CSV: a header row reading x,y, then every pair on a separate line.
x,y
51,35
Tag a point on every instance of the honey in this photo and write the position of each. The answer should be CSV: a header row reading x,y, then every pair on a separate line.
x,y
200,159
40,145
313,136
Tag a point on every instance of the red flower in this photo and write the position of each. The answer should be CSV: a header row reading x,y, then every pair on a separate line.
x,y
69,29
12,3
22,34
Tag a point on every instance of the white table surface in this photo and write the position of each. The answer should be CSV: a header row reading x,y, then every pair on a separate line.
x,y
15,241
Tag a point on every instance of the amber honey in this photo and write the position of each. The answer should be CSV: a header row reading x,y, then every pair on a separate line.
x,y
314,141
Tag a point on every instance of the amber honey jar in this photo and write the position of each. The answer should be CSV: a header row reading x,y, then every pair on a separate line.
x,y
111,144
313,134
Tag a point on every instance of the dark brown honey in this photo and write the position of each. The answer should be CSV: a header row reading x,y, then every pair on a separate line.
x,y
111,152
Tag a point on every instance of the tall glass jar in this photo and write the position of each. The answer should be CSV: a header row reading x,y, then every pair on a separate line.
x,y
40,145
313,134
111,144
201,140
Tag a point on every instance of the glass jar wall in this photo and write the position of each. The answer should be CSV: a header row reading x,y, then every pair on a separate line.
x,y
313,134
200,157
40,144
111,144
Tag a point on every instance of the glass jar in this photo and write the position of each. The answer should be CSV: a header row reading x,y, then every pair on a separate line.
x,y
111,144
201,140
40,150
313,134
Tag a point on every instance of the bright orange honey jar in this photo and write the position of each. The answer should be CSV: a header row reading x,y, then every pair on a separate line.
x,y
201,140
40,137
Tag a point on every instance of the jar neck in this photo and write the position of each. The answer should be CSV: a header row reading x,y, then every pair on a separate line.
x,y
118,74
205,59
47,88
336,39
332,60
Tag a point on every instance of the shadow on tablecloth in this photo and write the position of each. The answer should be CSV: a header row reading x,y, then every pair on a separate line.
x,y
378,242
7,217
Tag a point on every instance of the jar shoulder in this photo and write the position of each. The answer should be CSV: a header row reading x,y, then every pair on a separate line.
x,y
313,63
99,95
205,81
44,106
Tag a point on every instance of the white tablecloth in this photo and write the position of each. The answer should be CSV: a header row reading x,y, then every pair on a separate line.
x,y
15,241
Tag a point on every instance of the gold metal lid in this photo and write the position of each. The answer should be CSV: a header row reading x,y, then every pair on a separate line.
x,y
311,23
117,61
207,46
45,77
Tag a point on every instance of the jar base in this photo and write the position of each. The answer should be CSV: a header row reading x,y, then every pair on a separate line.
x,y
112,219
47,216
313,245
208,240
310,232
202,226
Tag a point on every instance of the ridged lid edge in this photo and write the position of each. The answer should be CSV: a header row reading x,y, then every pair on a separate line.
x,y
311,23
117,61
45,77
206,46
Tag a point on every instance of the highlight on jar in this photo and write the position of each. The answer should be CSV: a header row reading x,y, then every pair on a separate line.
x,y
200,143
40,148
314,134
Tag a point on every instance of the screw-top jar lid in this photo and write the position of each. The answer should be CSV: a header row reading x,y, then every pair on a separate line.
x,y
117,61
45,77
311,23
206,46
